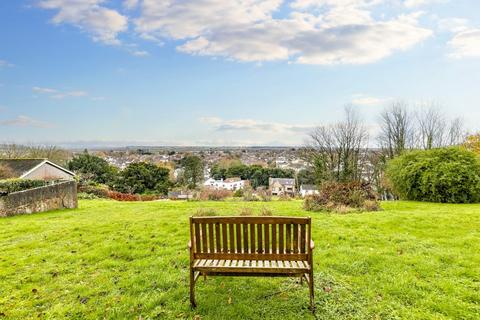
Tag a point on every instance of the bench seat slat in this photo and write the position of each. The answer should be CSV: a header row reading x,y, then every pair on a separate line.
x,y
204,265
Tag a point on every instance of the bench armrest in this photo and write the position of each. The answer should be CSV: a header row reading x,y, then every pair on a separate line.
x,y
312,245
189,244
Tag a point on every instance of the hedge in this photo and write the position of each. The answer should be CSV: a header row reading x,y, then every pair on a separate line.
x,y
449,175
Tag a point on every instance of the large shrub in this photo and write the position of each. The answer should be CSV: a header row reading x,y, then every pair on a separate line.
x,y
143,177
92,168
343,197
449,175
14,185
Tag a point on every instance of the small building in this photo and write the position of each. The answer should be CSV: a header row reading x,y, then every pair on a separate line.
x,y
34,169
308,190
231,184
281,186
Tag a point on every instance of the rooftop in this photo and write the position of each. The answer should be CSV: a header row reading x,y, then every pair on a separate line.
x,y
15,168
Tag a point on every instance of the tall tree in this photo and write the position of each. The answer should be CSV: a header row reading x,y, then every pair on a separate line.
x,y
431,127
141,177
397,129
192,170
336,151
92,168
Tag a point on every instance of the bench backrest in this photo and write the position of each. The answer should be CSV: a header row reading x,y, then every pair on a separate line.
x,y
250,238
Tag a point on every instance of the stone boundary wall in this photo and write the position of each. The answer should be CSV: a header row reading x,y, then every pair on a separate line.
x,y
58,196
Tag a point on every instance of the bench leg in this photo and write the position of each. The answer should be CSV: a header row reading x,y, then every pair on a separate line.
x,y
312,292
193,303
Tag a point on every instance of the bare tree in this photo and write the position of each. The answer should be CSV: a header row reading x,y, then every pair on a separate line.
x,y
397,129
432,127
435,130
53,153
336,151
456,132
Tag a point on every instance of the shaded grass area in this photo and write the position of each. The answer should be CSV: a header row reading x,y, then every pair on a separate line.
x,y
129,260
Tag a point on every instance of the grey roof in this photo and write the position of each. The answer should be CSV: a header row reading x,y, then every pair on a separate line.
x,y
282,181
15,168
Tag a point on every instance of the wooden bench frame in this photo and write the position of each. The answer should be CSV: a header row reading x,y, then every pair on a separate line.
x,y
251,246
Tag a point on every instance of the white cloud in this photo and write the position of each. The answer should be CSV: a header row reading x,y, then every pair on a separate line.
x,y
365,100
5,64
192,18
57,94
24,121
303,4
344,31
253,125
418,3
130,4
140,53
453,24
465,44
309,31
241,132
360,44
103,24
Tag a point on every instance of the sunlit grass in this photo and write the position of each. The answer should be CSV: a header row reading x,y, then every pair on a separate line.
x,y
129,260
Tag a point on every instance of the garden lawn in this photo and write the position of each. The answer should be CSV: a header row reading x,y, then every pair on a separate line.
x,y
130,261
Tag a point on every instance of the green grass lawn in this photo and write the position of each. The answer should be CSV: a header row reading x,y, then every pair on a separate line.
x,y
129,260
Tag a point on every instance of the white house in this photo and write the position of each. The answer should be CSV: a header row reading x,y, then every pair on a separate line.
x,y
227,184
35,169
308,190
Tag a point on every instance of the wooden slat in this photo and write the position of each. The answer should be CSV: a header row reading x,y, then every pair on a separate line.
x,y
281,238
211,244
204,238
245,238
238,231
288,238
252,238
274,238
303,238
260,238
218,244
250,220
231,234
267,239
198,244
295,238
224,238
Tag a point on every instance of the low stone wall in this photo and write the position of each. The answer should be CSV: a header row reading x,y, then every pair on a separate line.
x,y
58,196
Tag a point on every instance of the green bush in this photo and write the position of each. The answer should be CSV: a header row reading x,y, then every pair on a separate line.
x,y
450,175
14,185
92,168
143,177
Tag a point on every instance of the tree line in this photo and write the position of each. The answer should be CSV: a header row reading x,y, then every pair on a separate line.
x,y
342,152
136,177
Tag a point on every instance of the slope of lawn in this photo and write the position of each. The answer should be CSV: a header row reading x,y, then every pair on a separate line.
x,y
129,261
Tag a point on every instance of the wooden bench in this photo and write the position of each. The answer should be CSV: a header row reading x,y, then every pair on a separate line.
x,y
251,246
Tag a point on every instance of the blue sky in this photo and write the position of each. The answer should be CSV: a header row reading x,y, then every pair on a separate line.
x,y
215,72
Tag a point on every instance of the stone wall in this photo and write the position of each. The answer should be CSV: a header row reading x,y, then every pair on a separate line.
x,y
58,196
